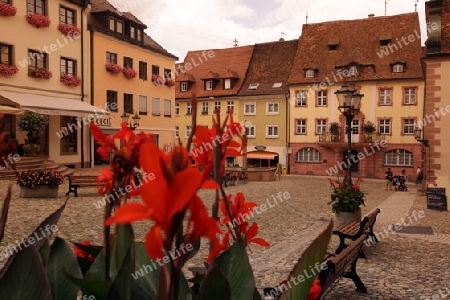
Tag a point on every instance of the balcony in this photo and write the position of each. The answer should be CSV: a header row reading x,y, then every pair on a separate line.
x,y
337,141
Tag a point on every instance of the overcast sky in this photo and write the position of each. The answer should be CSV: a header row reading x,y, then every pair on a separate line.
x,y
180,26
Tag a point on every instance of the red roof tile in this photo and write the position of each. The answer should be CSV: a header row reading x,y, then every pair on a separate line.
x,y
198,64
271,63
359,43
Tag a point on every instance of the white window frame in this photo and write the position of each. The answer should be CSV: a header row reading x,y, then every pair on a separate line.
x,y
384,126
208,85
353,71
273,127
156,109
250,108
188,130
177,108
308,155
143,99
322,98
310,73
250,131
385,97
398,68
184,86
398,158
408,126
321,126
272,108
167,108
410,96
177,131
188,108
300,124
227,84
230,104
300,98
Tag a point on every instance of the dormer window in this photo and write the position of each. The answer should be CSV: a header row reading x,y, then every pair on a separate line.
x,y
310,73
184,86
333,44
209,85
353,71
398,68
385,42
135,33
277,85
116,25
253,86
227,84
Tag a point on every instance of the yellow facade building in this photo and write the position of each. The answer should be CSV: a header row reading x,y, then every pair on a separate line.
x,y
44,68
131,74
385,66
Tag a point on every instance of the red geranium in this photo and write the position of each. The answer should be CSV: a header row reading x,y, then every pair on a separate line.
x,y
7,10
40,73
70,80
129,72
7,70
38,20
69,29
113,68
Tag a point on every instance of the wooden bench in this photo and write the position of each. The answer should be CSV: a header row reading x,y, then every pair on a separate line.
x,y
77,181
343,265
355,229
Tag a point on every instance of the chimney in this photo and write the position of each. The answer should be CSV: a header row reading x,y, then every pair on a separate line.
x,y
371,16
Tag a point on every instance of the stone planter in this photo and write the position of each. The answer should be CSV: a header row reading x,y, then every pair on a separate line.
x,y
231,182
241,181
41,191
343,218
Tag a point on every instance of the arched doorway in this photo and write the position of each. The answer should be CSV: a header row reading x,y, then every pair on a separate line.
x,y
351,163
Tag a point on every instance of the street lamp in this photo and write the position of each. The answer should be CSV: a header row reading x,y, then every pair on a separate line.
x,y
135,122
418,136
349,105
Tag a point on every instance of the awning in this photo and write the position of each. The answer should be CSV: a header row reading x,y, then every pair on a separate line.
x,y
261,155
49,105
10,110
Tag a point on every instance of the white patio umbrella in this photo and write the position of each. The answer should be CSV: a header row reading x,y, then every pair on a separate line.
x,y
10,110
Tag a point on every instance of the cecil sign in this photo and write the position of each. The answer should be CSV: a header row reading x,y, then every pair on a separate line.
x,y
104,121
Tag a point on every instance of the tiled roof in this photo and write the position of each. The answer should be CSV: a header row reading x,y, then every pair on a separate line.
x,y
148,41
359,43
271,63
211,75
198,64
105,6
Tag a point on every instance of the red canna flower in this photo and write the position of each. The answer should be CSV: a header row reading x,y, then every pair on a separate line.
x,y
331,181
250,236
172,191
83,254
355,186
315,290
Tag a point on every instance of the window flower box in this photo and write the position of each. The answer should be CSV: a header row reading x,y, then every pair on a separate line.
x,y
129,72
7,10
38,20
41,73
70,80
169,82
39,184
69,29
113,68
157,80
8,71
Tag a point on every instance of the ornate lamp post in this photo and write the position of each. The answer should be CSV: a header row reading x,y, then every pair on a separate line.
x,y
349,105
418,136
135,122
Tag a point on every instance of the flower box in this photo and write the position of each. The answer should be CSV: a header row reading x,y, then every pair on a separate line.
x,y
38,20
69,29
7,10
157,80
41,191
70,80
241,181
169,82
40,73
8,71
113,68
129,72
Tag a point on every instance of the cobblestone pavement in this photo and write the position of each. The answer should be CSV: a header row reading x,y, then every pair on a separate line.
x,y
401,266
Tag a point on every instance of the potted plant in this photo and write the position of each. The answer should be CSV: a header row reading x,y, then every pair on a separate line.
x,y
8,70
242,177
41,73
38,20
69,29
169,82
70,80
31,149
346,200
129,72
335,129
157,80
230,178
113,68
369,128
7,10
39,184
31,123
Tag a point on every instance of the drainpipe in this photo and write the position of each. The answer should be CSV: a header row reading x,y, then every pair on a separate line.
x,y
288,112
91,54
82,79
